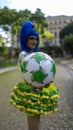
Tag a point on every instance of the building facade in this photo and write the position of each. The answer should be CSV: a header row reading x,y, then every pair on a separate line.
x,y
55,24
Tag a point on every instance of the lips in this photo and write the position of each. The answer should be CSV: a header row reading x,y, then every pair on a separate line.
x,y
33,44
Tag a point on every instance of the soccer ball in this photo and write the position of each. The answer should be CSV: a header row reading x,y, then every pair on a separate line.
x,y
38,69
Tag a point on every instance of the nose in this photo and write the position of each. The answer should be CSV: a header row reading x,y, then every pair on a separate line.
x,y
35,40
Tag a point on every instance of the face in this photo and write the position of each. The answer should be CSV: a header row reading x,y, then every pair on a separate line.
x,y
32,41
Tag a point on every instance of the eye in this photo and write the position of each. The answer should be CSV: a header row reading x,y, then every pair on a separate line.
x,y
33,38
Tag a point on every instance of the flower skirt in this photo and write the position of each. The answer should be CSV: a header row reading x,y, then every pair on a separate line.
x,y
35,102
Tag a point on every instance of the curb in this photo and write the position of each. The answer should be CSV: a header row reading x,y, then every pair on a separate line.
x,y
67,63
3,70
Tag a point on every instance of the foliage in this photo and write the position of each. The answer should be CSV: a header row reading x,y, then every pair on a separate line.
x,y
53,51
13,18
48,35
1,41
68,43
7,16
11,21
66,30
39,20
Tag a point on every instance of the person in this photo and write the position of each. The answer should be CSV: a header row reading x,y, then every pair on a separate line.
x,y
22,98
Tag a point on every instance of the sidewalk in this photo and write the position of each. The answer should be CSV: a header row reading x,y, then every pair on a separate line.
x,y
3,70
67,63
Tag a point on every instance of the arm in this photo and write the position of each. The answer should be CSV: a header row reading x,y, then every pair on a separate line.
x,y
22,55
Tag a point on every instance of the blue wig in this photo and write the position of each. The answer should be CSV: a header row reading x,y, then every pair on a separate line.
x,y
27,30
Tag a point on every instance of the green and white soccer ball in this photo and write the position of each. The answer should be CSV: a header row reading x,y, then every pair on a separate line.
x,y
38,69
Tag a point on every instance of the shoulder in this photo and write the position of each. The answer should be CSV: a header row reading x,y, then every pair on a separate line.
x,y
22,55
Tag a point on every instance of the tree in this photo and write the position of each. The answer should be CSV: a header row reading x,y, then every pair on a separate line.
x,y
66,30
11,21
40,21
1,41
67,44
8,19
7,16
21,17
48,35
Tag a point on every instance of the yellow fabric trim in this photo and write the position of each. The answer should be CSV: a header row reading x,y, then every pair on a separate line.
x,y
55,96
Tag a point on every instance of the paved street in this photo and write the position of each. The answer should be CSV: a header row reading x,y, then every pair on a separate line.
x,y
13,119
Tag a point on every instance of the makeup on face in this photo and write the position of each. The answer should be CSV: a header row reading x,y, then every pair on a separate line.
x,y
32,41
33,38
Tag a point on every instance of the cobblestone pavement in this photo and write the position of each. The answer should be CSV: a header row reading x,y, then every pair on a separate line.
x,y
13,119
